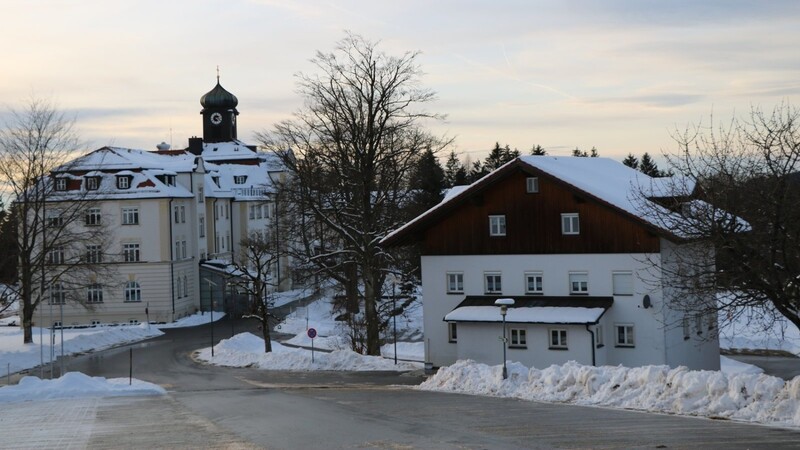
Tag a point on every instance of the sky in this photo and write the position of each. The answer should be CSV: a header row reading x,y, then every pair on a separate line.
x,y
621,76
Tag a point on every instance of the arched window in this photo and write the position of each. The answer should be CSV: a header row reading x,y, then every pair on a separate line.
x,y
133,292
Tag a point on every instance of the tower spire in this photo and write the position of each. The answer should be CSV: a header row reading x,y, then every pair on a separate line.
x,y
217,73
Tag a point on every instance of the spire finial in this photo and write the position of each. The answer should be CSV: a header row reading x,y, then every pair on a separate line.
x,y
217,74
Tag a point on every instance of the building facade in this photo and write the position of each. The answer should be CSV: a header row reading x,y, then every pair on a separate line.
x,y
575,243
172,221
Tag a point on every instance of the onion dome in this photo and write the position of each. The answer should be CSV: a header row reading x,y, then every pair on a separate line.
x,y
219,98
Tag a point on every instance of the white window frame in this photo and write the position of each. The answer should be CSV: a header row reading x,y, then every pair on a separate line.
x,y
497,225
133,292
94,253
239,179
496,282
183,214
252,215
452,332
532,185
130,216
56,255
537,283
579,283
58,295
60,184
570,224
183,249
93,217
94,293
202,221
185,286
455,282
131,252
619,284
123,182
628,338
200,197
518,338
92,183
557,339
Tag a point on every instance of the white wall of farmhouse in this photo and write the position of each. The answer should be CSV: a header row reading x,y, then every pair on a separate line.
x,y
655,341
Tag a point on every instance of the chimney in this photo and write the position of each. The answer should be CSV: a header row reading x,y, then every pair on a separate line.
x,y
196,145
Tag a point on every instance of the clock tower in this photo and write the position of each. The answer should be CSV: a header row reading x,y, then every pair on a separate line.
x,y
219,115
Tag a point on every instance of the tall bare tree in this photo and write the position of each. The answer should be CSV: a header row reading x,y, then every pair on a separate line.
x,y
255,275
748,169
355,141
37,144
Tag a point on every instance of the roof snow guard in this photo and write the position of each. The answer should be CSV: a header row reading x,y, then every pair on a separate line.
x,y
532,309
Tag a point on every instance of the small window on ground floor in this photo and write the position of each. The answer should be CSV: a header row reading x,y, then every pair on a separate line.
x,y
625,335
452,332
558,338
518,338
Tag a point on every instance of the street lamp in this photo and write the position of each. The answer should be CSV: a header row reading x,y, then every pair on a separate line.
x,y
504,303
211,285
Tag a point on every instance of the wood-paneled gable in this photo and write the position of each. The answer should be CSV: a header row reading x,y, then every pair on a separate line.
x,y
533,222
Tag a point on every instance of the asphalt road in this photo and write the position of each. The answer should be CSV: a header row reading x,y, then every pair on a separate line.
x,y
324,410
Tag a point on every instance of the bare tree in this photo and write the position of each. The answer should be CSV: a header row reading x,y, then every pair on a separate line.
x,y
254,276
746,169
355,141
36,145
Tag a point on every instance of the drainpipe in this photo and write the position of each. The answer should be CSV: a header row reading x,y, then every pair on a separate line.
x,y
230,224
171,259
592,342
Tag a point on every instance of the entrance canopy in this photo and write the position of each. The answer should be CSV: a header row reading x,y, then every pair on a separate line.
x,y
532,309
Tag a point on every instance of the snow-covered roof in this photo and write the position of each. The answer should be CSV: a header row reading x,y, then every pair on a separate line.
x,y
532,309
607,180
227,151
117,158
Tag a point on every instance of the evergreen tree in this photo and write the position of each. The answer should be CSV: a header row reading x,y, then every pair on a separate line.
x,y
496,157
593,152
455,174
631,161
427,181
538,150
649,167
476,172
579,153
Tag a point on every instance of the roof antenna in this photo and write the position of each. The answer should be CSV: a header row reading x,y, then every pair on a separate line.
x,y
217,73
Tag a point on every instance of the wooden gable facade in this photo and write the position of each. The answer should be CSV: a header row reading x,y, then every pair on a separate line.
x,y
533,220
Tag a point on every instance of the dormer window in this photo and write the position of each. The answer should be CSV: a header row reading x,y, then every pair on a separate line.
x,y
61,184
169,180
123,182
92,183
240,179
215,180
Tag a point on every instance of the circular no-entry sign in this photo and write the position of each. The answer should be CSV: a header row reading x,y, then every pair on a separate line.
x,y
312,333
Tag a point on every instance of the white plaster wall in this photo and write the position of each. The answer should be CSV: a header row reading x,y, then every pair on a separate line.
x,y
555,269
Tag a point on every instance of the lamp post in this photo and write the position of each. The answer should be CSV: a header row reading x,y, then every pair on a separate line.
x,y
504,303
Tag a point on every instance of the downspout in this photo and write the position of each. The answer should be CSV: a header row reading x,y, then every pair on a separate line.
x,y
592,342
171,261
230,225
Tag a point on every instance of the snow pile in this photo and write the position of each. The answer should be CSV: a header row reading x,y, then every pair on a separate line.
x,y
320,342
193,320
18,356
747,397
247,350
75,384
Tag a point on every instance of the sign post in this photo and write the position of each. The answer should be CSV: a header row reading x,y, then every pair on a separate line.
x,y
312,333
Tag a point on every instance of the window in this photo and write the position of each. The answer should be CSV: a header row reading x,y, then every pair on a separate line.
x,y
183,249
578,283
698,324
185,286
123,182
452,332
200,195
252,212
570,224
623,283
598,336
130,252
94,254
534,283
183,214
94,294
532,185
179,289
259,212
58,296
133,292
175,214
712,321
202,226
95,322
624,335
92,183
57,324
687,333
130,216
133,322
56,255
497,225
61,184
239,179
169,180
558,339
54,219
266,210
177,250
93,217
455,283
216,212
227,208
494,283
518,338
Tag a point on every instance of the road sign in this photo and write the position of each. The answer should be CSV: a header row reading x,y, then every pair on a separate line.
x,y
312,333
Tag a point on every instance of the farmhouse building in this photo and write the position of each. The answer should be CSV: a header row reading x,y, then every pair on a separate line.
x,y
579,244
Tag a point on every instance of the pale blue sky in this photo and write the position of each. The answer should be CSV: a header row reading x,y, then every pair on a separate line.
x,y
618,75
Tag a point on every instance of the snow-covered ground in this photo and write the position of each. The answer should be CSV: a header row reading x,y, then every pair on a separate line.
x,y
16,356
747,397
748,331
76,385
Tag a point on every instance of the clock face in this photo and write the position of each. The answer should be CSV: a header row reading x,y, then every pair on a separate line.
x,y
216,118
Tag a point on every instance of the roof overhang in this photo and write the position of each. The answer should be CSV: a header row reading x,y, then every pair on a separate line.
x,y
532,309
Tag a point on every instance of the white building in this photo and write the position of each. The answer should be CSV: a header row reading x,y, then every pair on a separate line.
x,y
577,244
174,218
